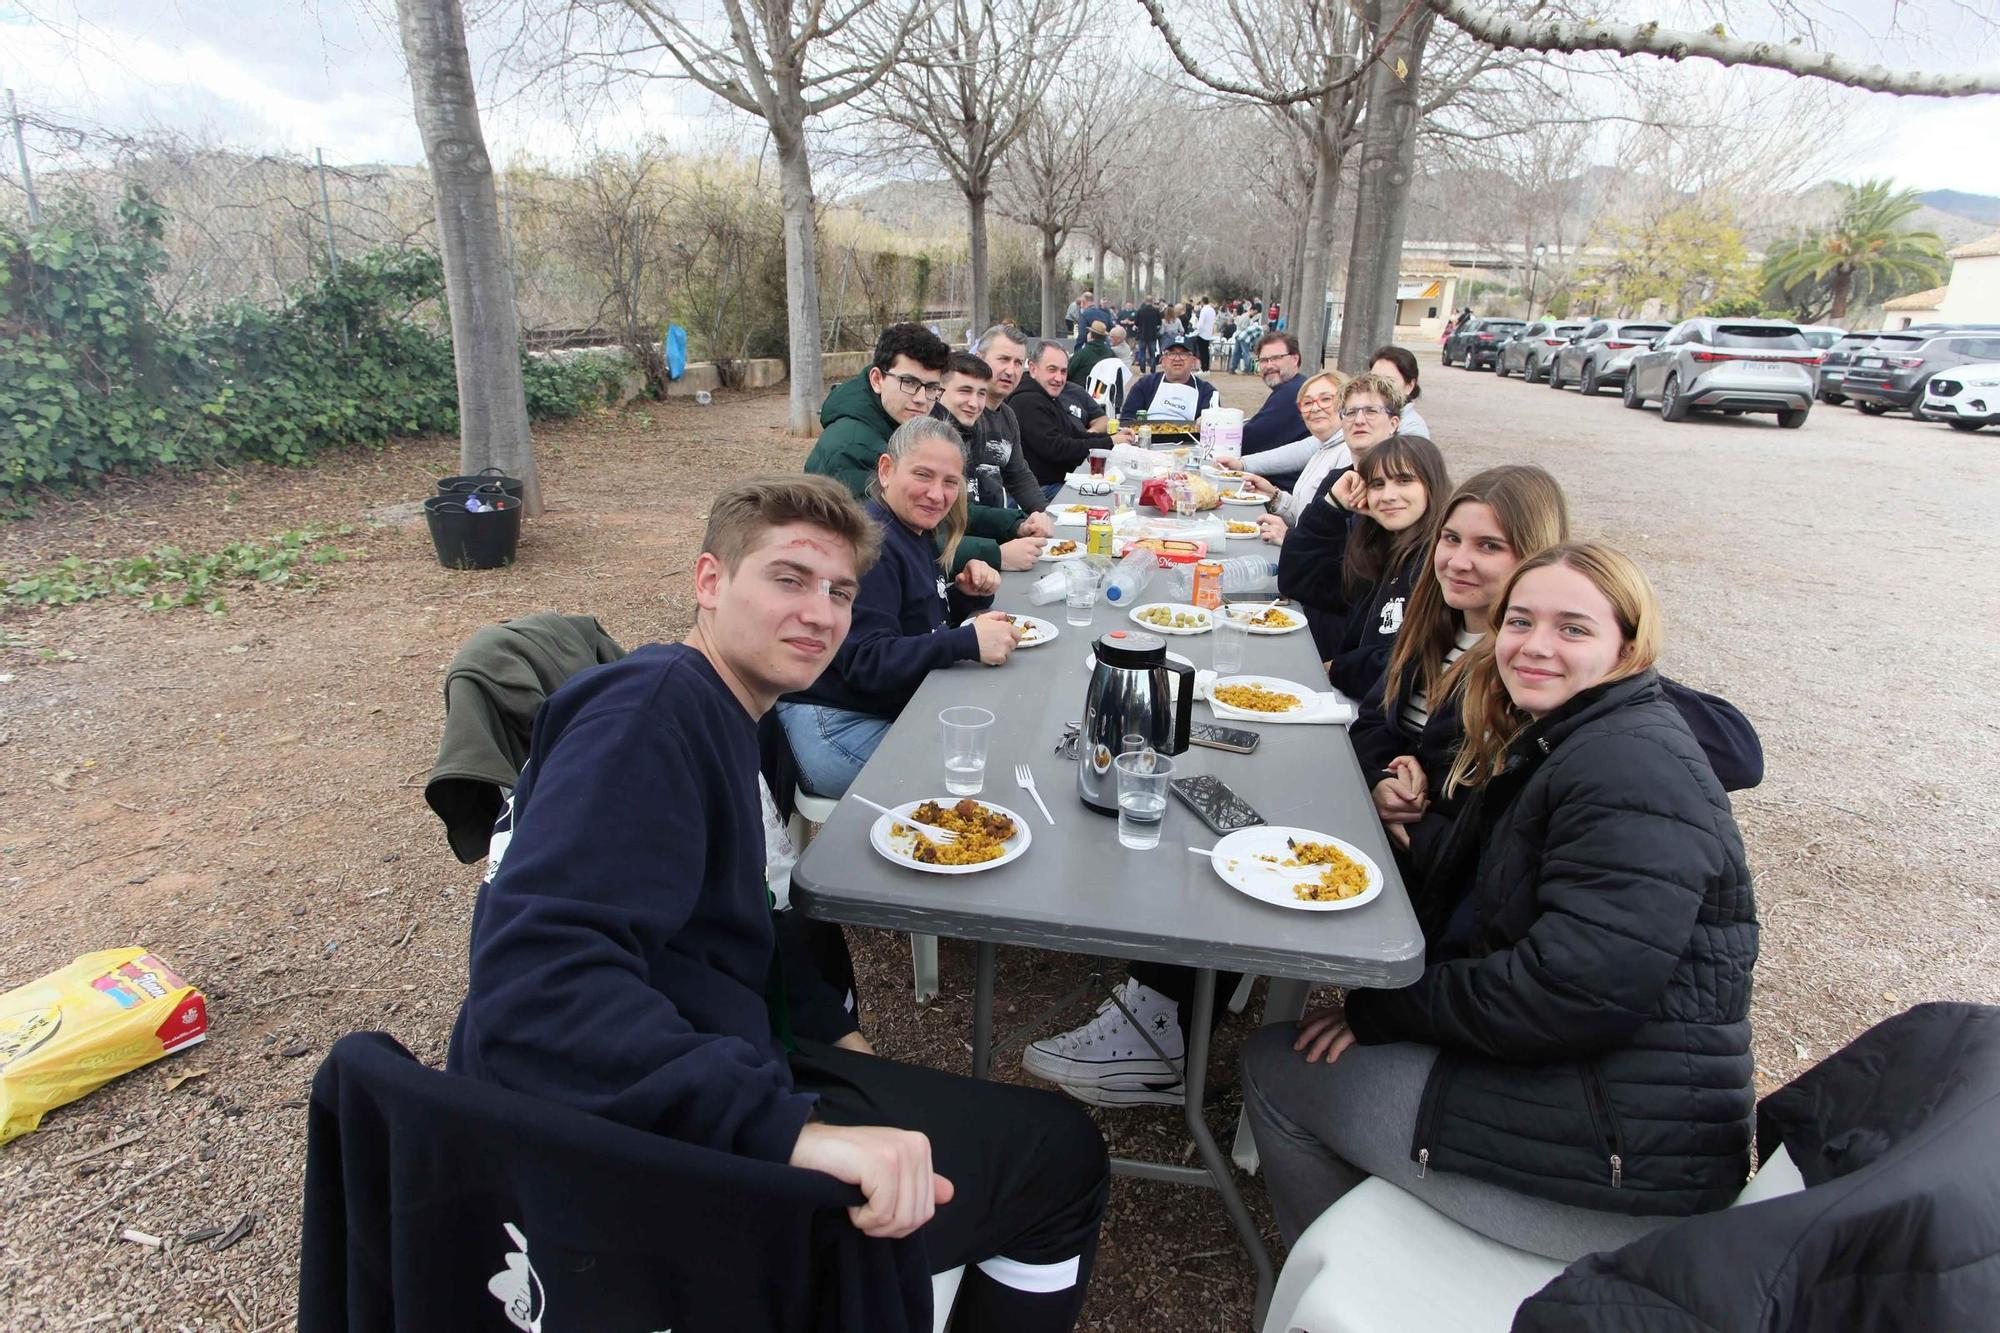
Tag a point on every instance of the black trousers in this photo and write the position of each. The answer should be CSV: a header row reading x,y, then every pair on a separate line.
x,y
1028,1169
1177,984
1201,351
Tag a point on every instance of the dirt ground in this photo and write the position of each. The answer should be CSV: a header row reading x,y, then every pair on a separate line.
x,y
242,792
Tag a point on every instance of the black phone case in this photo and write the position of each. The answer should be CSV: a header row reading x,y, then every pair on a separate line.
x,y
1209,804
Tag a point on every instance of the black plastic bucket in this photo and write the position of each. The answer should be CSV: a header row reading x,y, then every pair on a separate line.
x,y
491,476
467,540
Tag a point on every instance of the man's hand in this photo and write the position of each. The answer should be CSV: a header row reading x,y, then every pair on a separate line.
x,y
1324,1034
1125,435
892,1167
1019,554
1273,529
1037,525
1350,493
978,579
1229,464
997,637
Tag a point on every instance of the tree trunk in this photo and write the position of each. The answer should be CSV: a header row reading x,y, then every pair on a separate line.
x,y
1097,269
1382,200
1152,272
1051,309
808,381
1843,285
479,283
1309,316
980,307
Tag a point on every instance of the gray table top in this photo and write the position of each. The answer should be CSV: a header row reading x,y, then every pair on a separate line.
x,y
1076,889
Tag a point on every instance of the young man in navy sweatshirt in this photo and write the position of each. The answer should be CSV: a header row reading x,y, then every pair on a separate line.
x,y
622,949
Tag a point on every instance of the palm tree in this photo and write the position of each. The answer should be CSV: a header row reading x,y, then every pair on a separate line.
x,y
1867,240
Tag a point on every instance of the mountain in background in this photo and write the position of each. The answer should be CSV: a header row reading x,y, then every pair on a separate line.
x,y
1983,208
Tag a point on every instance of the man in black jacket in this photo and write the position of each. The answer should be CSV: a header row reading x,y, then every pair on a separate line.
x,y
1146,322
1052,434
622,950
996,470
1277,421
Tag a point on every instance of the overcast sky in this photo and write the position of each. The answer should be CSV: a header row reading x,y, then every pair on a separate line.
x,y
301,74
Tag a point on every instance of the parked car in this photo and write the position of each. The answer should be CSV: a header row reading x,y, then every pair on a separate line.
x,y
1822,336
1601,354
1532,349
1478,343
1836,361
1965,397
1890,373
1732,365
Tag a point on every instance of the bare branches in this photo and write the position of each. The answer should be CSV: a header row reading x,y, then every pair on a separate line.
x,y
1540,34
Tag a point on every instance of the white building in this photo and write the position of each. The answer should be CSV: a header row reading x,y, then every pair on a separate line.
x,y
1970,296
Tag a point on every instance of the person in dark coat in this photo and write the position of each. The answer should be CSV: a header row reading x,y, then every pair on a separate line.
x,y
1574,1063
1177,364
1054,439
1277,421
1146,333
997,474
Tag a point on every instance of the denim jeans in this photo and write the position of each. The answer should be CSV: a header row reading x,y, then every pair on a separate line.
x,y
830,744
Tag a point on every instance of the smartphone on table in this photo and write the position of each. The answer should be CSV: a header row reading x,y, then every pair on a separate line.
x,y
1234,739
1216,803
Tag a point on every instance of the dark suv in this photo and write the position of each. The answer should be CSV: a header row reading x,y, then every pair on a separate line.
x,y
1834,365
1478,343
1890,373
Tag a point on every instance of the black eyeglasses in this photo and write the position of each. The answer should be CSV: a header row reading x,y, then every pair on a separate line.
x,y
917,388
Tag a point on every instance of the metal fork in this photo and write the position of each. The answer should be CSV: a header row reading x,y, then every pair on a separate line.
x,y
1027,781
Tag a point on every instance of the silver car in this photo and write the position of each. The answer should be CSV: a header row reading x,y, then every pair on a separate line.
x,y
1731,365
1532,349
1601,354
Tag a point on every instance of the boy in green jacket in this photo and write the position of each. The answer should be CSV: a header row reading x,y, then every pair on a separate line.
x,y
904,380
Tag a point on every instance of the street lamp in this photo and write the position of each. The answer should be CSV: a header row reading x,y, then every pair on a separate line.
x,y
1540,250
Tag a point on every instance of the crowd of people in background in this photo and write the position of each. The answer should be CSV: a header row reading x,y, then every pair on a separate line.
x,y
1220,334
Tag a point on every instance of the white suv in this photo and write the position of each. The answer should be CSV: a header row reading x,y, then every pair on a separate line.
x,y
1967,396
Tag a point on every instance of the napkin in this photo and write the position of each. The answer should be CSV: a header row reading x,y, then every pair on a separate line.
x,y
1327,706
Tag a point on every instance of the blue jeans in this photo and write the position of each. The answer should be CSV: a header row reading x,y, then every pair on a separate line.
x,y
1051,489
830,744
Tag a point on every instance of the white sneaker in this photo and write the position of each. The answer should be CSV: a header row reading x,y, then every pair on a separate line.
x,y
1108,1054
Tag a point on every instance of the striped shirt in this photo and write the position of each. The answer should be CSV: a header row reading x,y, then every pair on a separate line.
x,y
1418,710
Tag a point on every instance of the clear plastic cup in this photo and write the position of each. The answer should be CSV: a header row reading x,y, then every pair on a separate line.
x,y
1230,638
966,734
1142,797
1082,594
1132,744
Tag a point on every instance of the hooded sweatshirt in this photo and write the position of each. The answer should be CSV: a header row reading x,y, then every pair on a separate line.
x,y
855,430
904,617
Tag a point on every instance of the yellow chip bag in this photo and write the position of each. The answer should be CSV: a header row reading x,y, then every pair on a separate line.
x,y
79,1027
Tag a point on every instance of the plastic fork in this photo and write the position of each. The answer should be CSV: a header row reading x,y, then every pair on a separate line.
x,y
933,832
1027,781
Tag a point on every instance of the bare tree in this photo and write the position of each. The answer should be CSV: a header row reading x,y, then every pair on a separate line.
x,y
1053,175
969,101
479,282
787,63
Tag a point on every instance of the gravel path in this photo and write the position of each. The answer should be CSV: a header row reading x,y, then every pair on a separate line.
x,y
242,793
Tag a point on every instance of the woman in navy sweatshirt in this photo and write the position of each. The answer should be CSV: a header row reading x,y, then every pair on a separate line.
x,y
908,617
1393,492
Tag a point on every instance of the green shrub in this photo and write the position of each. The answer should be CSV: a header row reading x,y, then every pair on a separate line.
x,y
96,378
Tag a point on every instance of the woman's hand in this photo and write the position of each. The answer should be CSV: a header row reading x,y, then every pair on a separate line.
x,y
1323,1035
1350,493
1272,529
1229,464
1261,485
979,579
1409,774
997,637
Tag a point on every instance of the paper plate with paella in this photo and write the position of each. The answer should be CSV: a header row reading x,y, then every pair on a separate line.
x,y
1268,619
989,836
1265,697
1297,868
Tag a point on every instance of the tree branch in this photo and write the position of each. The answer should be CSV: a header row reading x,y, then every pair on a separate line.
x,y
1715,44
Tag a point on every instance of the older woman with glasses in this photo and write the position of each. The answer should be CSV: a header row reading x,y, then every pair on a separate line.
x,y
1346,421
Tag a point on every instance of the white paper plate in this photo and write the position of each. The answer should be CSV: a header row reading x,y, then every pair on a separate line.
x,y
1231,498
1077,554
1207,619
897,848
1072,515
1273,683
1236,864
1255,534
1112,477
1297,617
1039,631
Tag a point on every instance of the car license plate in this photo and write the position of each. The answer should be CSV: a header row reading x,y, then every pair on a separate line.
x,y
1871,361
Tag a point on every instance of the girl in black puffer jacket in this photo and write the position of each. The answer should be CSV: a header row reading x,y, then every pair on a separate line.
x,y
1574,1063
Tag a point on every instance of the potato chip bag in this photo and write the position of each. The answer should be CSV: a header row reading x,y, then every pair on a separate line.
x,y
74,1030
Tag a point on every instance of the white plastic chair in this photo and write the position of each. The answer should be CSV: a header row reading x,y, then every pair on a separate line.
x,y
1381,1260
808,813
1108,381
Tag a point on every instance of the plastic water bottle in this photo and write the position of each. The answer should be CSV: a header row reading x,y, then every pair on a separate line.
x,y
1240,574
1134,572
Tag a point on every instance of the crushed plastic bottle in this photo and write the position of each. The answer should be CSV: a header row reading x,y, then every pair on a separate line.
x,y
1131,576
1241,574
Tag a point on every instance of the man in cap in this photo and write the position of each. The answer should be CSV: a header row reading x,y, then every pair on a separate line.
x,y
1174,392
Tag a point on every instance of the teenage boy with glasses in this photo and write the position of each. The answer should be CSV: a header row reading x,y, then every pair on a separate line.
x,y
905,380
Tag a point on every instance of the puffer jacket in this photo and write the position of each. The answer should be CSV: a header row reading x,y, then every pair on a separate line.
x,y
1592,1015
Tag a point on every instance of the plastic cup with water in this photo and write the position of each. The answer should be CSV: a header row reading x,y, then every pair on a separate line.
x,y
1082,594
1230,637
967,732
1142,797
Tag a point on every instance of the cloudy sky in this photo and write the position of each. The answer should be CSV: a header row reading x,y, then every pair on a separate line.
x,y
300,74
